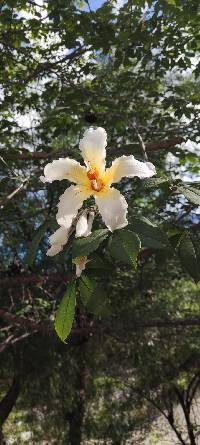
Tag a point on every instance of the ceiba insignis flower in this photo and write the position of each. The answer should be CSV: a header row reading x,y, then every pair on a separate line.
x,y
60,237
94,179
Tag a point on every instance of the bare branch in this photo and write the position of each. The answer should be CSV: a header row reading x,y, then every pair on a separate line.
x,y
46,67
33,278
46,325
8,198
152,146
165,144
141,142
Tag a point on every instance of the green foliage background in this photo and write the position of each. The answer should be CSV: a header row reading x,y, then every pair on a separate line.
x,y
134,343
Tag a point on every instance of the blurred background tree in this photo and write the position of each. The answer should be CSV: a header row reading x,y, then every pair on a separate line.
x,y
131,67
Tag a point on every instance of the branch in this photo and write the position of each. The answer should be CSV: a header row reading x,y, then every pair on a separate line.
x,y
165,144
141,142
11,340
33,278
9,400
169,418
31,327
8,198
47,326
29,279
192,388
152,146
25,322
48,66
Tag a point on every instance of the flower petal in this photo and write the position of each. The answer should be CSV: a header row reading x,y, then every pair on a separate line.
x,y
128,166
113,208
60,236
90,222
58,239
84,224
69,204
93,148
54,249
65,168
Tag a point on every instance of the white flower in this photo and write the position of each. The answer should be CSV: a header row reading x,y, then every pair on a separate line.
x,y
60,237
84,224
83,228
58,240
95,180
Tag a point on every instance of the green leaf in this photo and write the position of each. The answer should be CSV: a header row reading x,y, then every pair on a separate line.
x,y
97,303
84,246
66,311
86,288
149,234
191,193
154,182
33,247
99,264
125,246
92,295
189,252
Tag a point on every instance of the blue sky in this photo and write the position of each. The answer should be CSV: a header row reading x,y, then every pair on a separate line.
x,y
95,4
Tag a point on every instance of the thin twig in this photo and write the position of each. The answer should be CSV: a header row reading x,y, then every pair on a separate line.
x,y
141,142
11,196
88,4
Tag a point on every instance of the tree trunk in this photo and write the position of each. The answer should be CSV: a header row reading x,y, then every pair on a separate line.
x,y
186,411
2,439
76,415
75,424
7,403
189,427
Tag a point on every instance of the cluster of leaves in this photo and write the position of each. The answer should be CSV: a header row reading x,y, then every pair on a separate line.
x,y
123,247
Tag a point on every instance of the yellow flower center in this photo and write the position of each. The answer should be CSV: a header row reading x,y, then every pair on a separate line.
x,y
96,183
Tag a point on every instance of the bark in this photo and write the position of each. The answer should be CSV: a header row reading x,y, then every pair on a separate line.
x,y
152,146
190,428
25,279
177,432
170,419
46,326
9,400
76,415
7,404
2,438
186,411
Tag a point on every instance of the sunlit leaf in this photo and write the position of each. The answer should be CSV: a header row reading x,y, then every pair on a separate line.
x,y
125,246
86,245
191,193
92,295
66,311
150,234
